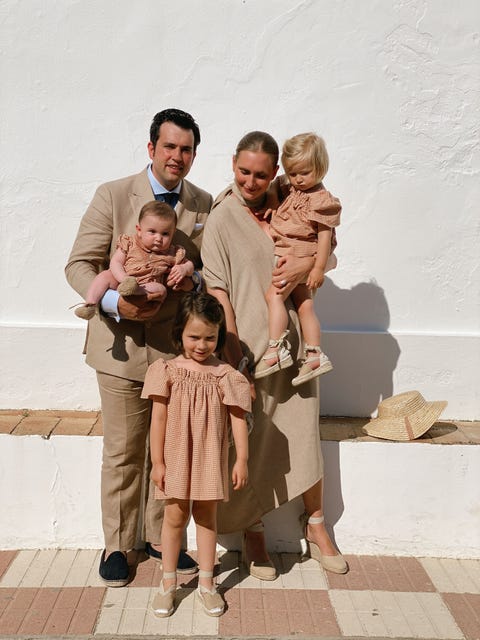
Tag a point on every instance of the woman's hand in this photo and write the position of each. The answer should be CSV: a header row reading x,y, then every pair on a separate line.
x,y
290,271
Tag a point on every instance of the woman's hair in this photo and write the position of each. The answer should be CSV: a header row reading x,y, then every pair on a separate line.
x,y
308,148
158,209
259,141
203,306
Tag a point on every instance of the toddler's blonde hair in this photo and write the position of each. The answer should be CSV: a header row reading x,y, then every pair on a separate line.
x,y
308,148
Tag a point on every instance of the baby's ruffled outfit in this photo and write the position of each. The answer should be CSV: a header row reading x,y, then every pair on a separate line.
x,y
145,265
294,226
196,438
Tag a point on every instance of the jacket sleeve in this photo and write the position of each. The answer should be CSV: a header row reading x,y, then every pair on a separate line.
x,y
91,249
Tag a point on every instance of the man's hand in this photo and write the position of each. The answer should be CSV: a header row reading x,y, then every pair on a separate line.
x,y
138,308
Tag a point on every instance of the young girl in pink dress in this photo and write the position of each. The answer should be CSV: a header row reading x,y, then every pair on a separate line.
x,y
303,225
195,396
143,263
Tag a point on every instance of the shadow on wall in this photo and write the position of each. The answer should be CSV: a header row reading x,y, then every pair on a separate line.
x,y
363,353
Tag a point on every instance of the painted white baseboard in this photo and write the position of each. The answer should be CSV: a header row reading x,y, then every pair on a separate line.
x,y
43,368
388,498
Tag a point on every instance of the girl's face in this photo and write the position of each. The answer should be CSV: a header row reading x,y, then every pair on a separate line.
x,y
302,176
199,339
253,171
155,233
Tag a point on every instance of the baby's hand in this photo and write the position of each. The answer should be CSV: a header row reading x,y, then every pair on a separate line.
x,y
239,474
178,272
315,278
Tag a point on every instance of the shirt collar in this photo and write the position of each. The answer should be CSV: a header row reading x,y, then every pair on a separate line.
x,y
159,188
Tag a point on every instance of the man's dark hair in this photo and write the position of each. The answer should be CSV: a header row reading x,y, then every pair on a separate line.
x,y
181,118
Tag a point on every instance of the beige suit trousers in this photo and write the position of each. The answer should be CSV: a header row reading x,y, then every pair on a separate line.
x,y
125,469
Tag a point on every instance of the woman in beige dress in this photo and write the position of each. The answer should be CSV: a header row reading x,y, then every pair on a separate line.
x,y
285,454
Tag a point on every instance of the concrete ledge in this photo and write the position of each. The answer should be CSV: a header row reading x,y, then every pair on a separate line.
x,y
47,423
381,497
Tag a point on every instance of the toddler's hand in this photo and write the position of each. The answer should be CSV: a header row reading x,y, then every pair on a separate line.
x,y
315,278
239,474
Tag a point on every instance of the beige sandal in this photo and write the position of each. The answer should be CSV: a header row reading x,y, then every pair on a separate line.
x,y
212,602
336,563
259,570
306,371
282,353
163,604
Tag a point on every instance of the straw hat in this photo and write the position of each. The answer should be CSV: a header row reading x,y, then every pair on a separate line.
x,y
405,416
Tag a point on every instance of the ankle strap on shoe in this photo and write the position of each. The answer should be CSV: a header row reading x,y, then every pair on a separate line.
x,y
306,519
168,575
205,574
281,341
316,520
312,347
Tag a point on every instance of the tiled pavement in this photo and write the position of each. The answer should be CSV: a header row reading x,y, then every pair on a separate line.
x,y
58,593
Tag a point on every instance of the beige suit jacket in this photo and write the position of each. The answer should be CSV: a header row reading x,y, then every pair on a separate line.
x,y
126,348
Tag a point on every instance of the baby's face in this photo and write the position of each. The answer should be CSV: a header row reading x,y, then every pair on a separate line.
x,y
155,233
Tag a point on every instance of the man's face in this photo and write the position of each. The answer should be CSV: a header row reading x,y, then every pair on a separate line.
x,y
173,154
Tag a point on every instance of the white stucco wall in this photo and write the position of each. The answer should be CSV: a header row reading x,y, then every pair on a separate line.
x,y
430,511
392,86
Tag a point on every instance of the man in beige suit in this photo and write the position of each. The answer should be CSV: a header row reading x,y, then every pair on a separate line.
x,y
126,336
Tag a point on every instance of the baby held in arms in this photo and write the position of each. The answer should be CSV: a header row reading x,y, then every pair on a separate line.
x,y
143,263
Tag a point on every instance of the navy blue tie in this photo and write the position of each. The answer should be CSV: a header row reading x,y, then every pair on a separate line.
x,y
170,198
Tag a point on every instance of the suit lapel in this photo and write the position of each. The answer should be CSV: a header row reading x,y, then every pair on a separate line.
x,y
186,209
141,193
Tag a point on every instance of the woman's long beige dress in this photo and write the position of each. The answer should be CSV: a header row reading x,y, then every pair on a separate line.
x,y
285,455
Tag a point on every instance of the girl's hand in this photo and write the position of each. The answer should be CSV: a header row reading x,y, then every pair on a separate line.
x,y
239,474
315,278
158,475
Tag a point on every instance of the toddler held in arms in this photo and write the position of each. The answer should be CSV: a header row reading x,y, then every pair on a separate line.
x,y
142,264
303,225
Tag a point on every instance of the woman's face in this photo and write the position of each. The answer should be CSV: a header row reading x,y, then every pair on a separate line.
x,y
253,171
